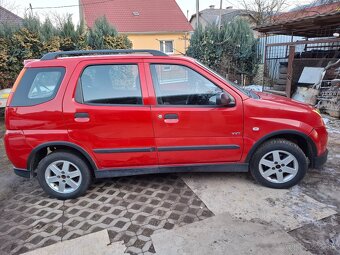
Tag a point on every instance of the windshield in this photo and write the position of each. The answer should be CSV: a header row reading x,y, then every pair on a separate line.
x,y
247,92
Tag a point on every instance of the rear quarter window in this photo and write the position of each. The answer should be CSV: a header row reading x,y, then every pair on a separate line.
x,y
37,86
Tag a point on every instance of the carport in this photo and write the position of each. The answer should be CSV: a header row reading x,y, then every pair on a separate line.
x,y
298,39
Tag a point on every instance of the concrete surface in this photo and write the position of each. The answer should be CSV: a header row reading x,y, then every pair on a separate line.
x,y
242,197
95,243
223,234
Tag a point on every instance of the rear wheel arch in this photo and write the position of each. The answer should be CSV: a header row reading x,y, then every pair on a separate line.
x,y
301,139
42,150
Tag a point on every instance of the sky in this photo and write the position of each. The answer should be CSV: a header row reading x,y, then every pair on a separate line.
x,y
20,7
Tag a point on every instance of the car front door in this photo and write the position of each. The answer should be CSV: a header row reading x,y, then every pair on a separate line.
x,y
108,114
190,127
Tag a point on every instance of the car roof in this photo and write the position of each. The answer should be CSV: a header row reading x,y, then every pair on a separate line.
x,y
64,61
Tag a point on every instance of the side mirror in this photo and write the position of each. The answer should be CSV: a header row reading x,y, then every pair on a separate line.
x,y
224,99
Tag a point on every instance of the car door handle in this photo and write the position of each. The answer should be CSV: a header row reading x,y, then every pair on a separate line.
x,y
171,118
81,117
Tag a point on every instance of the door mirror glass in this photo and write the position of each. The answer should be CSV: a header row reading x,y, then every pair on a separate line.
x,y
224,99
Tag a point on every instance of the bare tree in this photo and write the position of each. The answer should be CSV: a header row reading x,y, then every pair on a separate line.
x,y
264,10
9,5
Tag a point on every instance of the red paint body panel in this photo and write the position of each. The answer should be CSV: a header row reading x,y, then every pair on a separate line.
x,y
197,125
111,127
130,127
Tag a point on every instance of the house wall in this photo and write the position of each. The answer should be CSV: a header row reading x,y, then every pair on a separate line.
x,y
202,21
151,41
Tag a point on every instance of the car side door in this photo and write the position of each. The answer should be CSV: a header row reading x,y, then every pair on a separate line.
x,y
190,127
107,113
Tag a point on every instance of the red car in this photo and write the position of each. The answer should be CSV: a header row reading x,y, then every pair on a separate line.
x,y
72,117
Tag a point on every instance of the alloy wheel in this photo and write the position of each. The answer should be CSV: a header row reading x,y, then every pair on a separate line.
x,y
278,166
63,176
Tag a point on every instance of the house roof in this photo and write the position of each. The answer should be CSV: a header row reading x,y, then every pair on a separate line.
x,y
211,15
9,17
137,16
317,21
307,12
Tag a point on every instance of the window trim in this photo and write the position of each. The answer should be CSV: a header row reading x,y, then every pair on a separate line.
x,y
162,43
187,106
79,85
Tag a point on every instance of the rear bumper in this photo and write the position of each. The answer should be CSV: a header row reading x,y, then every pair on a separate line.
x,y
22,172
319,161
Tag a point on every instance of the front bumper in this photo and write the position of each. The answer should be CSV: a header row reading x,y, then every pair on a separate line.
x,y
319,161
22,172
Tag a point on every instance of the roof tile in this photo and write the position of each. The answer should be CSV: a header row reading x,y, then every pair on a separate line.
x,y
154,15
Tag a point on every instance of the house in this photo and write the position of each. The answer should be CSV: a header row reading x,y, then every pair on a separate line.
x,y
211,16
149,24
7,17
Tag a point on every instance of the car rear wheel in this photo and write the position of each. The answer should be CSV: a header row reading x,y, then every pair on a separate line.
x,y
279,163
63,175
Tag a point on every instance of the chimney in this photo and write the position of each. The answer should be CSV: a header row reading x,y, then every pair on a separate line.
x,y
229,7
212,6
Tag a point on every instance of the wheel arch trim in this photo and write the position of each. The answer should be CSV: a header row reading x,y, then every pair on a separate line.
x,y
76,147
310,143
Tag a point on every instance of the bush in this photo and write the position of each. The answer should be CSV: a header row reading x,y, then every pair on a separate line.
x,y
230,50
33,39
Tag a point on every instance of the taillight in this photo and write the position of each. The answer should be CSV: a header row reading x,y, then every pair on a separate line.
x,y
17,81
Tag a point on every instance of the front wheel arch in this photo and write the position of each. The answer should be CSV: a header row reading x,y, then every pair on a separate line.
x,y
305,143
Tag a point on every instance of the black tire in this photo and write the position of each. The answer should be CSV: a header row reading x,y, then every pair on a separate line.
x,y
282,145
86,176
279,87
282,82
283,76
283,69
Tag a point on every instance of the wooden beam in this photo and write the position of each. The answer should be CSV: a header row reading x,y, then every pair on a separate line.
x,y
290,70
305,42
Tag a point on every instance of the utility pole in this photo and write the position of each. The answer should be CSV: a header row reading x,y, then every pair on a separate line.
x,y
186,34
31,9
220,16
197,13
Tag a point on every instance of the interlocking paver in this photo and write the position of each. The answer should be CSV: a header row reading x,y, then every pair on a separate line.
x,y
130,208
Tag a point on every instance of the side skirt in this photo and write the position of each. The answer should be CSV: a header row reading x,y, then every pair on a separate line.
x,y
233,168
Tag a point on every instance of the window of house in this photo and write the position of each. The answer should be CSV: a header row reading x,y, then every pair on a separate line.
x,y
182,86
167,46
110,84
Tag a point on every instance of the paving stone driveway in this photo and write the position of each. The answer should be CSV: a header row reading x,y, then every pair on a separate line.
x,y
131,208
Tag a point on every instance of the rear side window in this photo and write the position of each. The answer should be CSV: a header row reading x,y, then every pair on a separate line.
x,y
38,85
110,85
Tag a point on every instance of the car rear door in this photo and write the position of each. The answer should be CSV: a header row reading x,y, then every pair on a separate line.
x,y
107,113
189,127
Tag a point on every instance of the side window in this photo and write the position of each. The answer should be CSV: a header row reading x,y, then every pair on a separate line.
x,y
110,84
180,85
38,85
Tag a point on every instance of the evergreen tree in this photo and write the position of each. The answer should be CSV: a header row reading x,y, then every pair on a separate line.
x,y
100,34
230,49
33,39
47,30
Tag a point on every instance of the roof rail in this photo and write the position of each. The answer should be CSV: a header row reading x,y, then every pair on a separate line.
x,y
54,55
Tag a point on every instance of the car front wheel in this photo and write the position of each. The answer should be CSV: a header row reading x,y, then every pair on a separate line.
x,y
63,175
279,163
